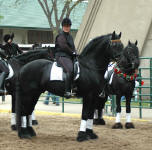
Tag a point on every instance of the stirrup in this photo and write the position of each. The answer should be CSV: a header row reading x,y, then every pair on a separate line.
x,y
102,94
67,95
3,92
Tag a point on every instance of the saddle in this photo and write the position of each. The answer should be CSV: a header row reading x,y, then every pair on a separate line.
x,y
57,72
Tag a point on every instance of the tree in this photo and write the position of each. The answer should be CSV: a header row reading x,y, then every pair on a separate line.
x,y
51,9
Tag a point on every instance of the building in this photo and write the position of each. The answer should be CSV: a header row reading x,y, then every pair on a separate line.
x,y
29,23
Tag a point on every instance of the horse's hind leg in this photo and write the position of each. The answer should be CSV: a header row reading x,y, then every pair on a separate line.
x,y
128,124
98,113
102,101
13,114
118,124
29,126
34,121
86,126
23,109
33,101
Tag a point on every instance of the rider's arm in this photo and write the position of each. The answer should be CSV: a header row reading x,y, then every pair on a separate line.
x,y
64,46
18,49
2,54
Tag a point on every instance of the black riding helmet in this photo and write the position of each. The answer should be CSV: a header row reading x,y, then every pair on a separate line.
x,y
8,36
66,21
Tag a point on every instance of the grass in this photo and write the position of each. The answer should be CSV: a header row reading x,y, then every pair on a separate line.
x,y
144,103
71,100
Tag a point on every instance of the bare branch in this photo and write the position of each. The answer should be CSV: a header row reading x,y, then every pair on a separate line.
x,y
43,7
47,12
64,10
71,8
55,11
47,8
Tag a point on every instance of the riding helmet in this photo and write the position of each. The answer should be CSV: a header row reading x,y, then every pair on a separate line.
x,y
8,36
66,21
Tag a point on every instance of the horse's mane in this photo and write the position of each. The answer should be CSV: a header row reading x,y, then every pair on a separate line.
x,y
32,55
91,45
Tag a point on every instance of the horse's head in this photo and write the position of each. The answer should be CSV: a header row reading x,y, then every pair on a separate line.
x,y
116,46
130,57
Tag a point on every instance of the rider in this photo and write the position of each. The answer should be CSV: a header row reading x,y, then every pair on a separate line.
x,y
10,50
65,52
4,71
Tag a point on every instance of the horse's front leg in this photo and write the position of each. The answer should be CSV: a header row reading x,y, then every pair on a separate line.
x,y
118,124
128,124
86,126
13,114
98,112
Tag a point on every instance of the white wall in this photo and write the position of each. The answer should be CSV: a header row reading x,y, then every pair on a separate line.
x,y
131,17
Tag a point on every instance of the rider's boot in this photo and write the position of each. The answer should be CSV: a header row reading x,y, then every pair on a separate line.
x,y
103,94
2,80
67,93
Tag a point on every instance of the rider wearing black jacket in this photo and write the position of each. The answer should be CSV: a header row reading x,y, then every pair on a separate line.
x,y
4,71
10,50
64,53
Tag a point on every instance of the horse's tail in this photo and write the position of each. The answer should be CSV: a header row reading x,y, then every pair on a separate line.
x,y
18,107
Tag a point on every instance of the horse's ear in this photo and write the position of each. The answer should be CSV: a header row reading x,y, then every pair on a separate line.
x,y
120,35
136,42
129,43
113,35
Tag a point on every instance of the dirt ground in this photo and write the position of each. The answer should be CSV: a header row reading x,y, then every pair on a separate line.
x,y
59,133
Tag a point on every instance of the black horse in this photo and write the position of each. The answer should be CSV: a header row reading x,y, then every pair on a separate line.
x,y
16,63
123,83
34,78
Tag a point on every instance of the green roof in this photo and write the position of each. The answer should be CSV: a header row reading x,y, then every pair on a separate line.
x,y
30,14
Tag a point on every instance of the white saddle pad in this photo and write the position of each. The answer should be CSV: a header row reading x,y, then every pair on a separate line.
x,y
11,72
110,67
56,72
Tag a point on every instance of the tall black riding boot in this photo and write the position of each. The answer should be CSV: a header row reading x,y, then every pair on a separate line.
x,y
103,94
2,80
67,93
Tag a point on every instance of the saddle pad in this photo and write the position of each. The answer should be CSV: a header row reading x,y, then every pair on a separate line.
x,y
111,78
78,71
56,72
11,72
106,75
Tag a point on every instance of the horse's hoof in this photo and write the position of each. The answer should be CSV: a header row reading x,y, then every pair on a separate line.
x,y
82,136
95,121
102,122
34,122
13,127
129,125
99,122
31,131
24,133
91,134
117,126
